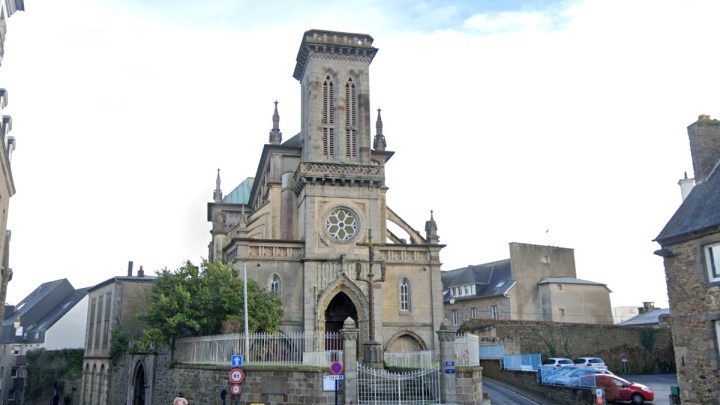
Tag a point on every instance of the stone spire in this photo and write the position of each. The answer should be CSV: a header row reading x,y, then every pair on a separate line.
x,y
275,134
379,143
217,194
431,230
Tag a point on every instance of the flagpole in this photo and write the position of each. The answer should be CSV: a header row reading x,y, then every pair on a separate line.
x,y
247,338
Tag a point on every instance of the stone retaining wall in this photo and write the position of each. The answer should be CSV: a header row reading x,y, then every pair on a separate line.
x,y
555,339
202,385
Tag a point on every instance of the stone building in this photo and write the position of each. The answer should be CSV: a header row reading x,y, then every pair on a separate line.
x,y
52,318
113,305
690,248
537,283
7,146
312,223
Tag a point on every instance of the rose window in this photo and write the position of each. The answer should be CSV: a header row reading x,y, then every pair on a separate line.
x,y
342,224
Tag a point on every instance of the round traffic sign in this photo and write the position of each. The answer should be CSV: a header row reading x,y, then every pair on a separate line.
x,y
235,389
336,367
236,376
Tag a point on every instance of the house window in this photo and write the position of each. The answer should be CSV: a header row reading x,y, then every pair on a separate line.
x,y
467,290
559,287
275,285
405,295
455,317
545,259
16,350
473,312
562,312
14,372
717,334
494,312
712,258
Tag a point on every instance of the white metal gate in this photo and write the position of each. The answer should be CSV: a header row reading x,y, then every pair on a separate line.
x,y
376,387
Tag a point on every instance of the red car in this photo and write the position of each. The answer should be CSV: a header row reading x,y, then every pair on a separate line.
x,y
619,389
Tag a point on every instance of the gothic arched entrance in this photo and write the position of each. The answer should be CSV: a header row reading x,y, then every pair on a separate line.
x,y
338,310
139,386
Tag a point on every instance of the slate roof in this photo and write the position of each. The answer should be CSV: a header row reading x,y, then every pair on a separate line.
x,y
58,312
699,211
568,280
490,279
41,309
295,141
111,280
651,317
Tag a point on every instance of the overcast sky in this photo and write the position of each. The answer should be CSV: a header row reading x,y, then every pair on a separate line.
x,y
560,123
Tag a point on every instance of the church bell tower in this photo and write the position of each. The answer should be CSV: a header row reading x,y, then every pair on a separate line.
x,y
333,70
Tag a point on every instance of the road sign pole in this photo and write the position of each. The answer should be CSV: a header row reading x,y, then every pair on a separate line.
x,y
336,392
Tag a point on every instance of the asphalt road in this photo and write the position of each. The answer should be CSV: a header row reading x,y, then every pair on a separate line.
x,y
659,383
499,395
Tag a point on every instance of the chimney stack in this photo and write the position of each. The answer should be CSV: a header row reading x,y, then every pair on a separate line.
x,y
686,186
141,273
130,265
704,137
647,307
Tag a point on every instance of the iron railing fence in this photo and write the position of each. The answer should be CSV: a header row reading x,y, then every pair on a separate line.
x,y
284,348
522,362
382,387
467,350
421,359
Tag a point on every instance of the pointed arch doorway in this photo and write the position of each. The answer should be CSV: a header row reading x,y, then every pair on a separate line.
x,y
139,386
338,310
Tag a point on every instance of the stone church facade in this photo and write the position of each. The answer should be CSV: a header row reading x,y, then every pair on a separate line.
x,y
312,224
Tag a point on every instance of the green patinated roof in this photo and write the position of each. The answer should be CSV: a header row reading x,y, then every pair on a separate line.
x,y
241,194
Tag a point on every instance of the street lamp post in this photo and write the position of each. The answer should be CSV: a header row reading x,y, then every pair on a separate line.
x,y
245,315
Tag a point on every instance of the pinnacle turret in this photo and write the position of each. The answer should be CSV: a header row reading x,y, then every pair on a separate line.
x,y
275,134
379,142
431,230
217,194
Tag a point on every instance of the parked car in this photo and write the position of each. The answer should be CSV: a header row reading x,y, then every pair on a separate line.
x,y
594,362
572,379
619,389
549,374
557,362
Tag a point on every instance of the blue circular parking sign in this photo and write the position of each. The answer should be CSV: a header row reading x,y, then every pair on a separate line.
x,y
336,367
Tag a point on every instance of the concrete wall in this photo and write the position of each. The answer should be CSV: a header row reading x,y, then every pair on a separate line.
x,y
576,303
530,264
69,331
554,339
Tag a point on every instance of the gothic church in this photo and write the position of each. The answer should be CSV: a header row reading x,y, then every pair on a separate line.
x,y
312,225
